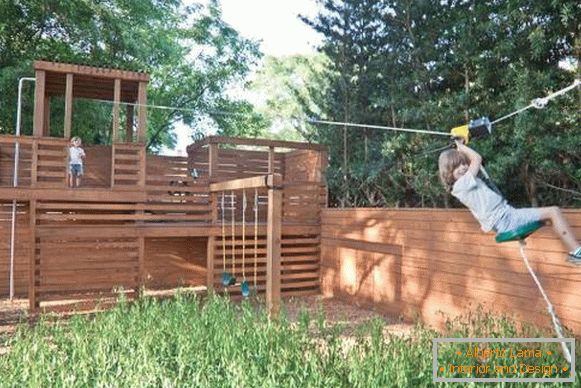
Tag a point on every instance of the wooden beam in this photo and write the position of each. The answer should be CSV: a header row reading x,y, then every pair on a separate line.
x,y
39,96
46,121
115,113
271,160
141,264
32,303
210,255
93,195
34,163
68,107
158,230
212,160
100,72
265,143
142,167
323,178
256,142
142,115
113,148
255,182
210,247
273,249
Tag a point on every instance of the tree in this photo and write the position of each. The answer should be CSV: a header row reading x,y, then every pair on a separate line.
x,y
281,87
435,65
191,54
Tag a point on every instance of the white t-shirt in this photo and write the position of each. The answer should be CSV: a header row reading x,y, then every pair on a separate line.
x,y
486,205
75,155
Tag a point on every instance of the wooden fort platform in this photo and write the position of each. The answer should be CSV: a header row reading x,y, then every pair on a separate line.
x,y
142,220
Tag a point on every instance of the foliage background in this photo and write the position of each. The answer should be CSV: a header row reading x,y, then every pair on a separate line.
x,y
414,64
436,65
191,54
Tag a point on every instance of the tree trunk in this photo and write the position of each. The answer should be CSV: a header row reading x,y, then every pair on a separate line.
x,y
530,185
365,141
578,55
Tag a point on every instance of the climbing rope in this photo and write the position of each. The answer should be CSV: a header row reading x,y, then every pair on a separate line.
x,y
550,308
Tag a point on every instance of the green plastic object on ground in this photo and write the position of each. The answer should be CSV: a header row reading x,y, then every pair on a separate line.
x,y
519,233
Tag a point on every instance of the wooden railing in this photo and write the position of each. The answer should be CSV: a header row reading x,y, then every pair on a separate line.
x,y
128,166
127,198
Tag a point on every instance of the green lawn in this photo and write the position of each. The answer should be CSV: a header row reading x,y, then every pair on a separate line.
x,y
187,341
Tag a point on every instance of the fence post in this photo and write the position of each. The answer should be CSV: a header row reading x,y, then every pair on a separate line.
x,y
273,239
212,167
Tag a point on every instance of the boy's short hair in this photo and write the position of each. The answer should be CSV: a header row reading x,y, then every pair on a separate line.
x,y
75,138
447,163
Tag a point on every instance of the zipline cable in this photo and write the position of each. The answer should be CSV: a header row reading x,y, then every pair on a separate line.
x,y
447,134
541,102
538,103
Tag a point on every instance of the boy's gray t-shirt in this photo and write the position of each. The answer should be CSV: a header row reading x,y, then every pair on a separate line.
x,y
484,203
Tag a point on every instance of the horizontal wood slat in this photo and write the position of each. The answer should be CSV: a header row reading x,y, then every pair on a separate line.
x,y
428,261
133,208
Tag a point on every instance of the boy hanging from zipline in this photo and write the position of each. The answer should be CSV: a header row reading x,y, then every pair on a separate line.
x,y
459,174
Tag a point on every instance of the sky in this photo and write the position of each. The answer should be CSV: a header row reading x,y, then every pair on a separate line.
x,y
275,23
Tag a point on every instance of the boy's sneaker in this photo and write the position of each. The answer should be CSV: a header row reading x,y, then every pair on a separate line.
x,y
575,256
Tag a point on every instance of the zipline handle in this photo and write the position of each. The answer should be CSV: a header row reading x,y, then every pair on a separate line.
x,y
475,129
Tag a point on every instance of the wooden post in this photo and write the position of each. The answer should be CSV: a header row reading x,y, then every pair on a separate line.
x,y
33,304
324,155
271,160
46,121
142,115
141,265
211,246
273,239
142,167
39,103
116,98
68,106
113,165
129,124
34,164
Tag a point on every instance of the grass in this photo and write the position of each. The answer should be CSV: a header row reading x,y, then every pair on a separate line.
x,y
215,343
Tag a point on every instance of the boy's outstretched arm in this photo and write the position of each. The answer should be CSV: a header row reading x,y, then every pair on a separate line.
x,y
473,156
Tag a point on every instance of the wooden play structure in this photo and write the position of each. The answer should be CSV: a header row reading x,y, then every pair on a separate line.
x,y
152,221
249,208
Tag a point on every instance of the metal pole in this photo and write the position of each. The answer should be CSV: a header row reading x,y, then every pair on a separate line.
x,y
15,181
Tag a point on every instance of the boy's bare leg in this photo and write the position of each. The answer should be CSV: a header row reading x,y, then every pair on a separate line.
x,y
78,181
71,182
560,226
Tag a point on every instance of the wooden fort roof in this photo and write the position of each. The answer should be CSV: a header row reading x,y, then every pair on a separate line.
x,y
90,82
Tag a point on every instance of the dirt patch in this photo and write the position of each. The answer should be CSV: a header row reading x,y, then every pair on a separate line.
x,y
337,311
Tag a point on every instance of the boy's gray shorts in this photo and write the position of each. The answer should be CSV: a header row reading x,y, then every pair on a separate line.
x,y
514,218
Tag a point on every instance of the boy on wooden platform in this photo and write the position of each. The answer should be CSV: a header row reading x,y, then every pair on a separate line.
x,y
76,156
458,172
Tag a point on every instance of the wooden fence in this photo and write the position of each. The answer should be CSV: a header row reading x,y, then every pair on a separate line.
x,y
436,264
